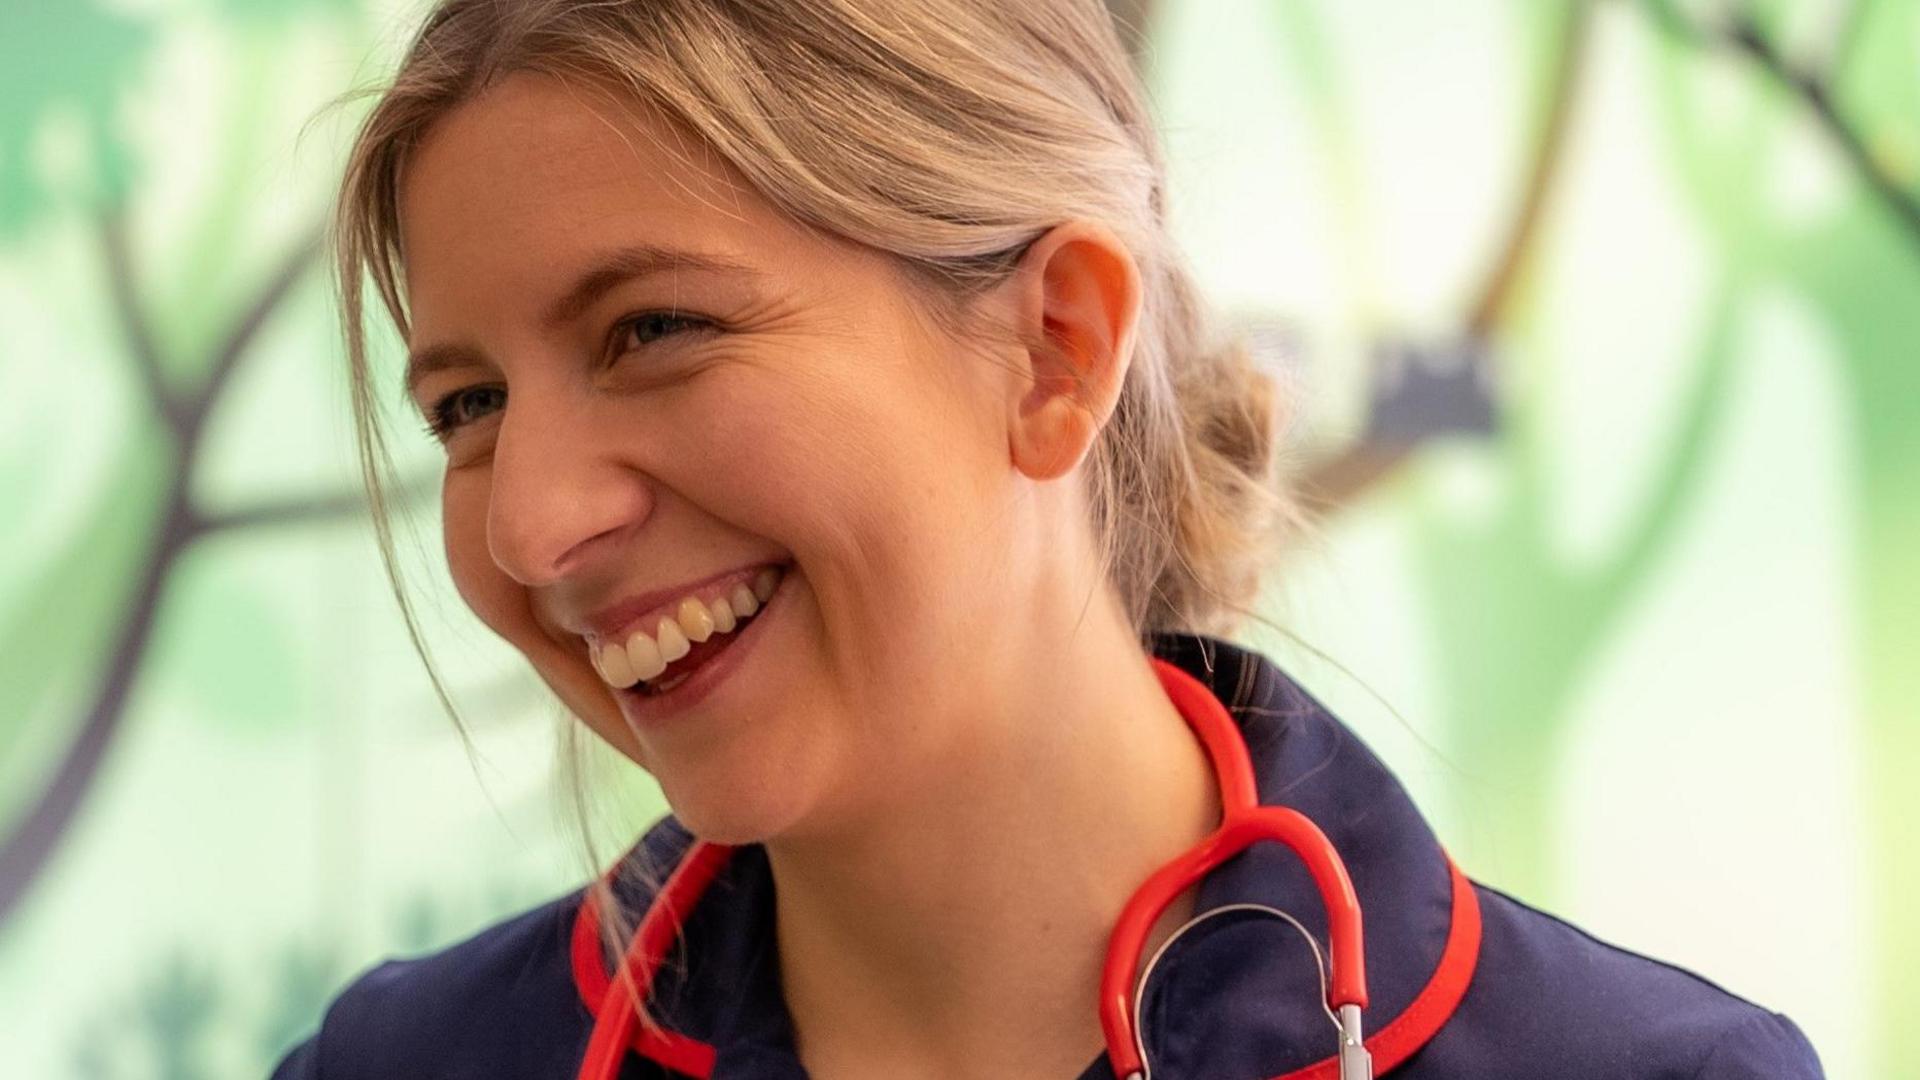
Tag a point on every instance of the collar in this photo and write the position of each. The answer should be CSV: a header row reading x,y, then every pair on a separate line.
x,y
1234,996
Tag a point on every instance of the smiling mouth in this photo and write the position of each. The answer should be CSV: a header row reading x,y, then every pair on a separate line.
x,y
652,662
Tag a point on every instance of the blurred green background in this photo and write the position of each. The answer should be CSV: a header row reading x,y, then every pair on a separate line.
x,y
1603,328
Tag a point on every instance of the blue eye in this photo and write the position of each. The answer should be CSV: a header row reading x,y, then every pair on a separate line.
x,y
468,404
636,327
456,409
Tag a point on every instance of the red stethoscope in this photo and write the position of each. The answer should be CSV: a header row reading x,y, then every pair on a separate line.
x,y
1244,822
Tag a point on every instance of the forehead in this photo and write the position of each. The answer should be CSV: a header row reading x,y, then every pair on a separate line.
x,y
535,177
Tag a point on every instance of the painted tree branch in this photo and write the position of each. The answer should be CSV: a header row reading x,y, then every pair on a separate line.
x,y
1502,281
135,328
1344,477
1608,593
292,267
25,852
1742,35
339,506
284,512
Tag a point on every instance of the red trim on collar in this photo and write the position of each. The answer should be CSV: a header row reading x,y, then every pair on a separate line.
x,y
1436,1002
1390,1045
680,1053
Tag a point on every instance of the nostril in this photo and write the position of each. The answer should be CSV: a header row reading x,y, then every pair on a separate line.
x,y
544,545
568,561
559,501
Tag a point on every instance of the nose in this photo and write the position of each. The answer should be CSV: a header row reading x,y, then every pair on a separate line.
x,y
560,491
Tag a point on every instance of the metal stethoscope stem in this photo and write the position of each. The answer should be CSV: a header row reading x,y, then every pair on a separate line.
x,y
1244,822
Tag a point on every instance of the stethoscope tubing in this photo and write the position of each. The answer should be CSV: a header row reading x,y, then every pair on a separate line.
x,y
615,1020
1243,823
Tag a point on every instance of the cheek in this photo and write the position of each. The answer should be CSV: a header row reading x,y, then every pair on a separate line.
x,y
881,484
831,462
498,600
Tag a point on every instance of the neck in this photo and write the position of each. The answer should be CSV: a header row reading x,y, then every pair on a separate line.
x,y
959,931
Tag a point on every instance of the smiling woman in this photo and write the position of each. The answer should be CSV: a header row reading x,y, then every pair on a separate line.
x,y
832,424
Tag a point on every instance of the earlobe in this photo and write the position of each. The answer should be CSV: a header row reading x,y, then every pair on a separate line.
x,y
1053,437
1077,303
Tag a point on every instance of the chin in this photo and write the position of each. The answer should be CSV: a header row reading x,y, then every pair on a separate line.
x,y
729,823
725,803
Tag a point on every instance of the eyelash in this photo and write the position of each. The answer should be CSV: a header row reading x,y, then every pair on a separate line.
x,y
441,424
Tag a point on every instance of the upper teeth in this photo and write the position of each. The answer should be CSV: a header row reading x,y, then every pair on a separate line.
x,y
644,655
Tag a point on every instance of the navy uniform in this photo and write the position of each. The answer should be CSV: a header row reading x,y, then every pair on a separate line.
x,y
1464,980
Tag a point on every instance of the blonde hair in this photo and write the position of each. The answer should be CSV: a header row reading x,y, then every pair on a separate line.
x,y
948,134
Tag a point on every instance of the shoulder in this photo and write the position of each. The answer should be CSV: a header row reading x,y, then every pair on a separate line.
x,y
1558,1000
504,995
502,1003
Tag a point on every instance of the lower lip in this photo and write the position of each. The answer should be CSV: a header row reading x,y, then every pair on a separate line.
x,y
650,711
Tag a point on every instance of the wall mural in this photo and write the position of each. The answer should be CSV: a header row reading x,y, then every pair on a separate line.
x,y
1603,320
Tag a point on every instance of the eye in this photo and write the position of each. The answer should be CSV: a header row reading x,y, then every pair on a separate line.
x,y
462,407
649,327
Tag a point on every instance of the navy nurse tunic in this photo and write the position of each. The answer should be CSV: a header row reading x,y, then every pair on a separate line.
x,y
1464,980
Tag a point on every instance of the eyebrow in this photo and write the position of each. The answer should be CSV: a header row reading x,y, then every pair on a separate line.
x,y
605,273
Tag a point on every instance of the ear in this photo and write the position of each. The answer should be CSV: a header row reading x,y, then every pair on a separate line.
x,y
1076,301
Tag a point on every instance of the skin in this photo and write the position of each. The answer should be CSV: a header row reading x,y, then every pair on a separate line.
x,y
946,736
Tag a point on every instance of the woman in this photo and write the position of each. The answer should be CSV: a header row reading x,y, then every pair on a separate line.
x,y
830,421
